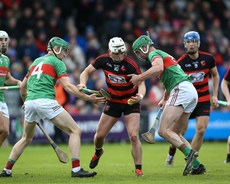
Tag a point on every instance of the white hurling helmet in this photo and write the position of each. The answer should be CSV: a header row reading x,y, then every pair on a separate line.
x,y
4,47
116,45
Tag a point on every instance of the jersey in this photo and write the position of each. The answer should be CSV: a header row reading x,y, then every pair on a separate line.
x,y
118,83
227,75
198,71
4,69
42,76
172,73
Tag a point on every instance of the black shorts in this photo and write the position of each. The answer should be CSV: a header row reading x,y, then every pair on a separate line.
x,y
202,109
116,109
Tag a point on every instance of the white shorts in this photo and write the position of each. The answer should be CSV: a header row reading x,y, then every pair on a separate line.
x,y
184,94
4,109
38,109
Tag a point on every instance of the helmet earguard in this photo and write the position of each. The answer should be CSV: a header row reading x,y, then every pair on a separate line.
x,y
3,34
56,41
192,35
117,45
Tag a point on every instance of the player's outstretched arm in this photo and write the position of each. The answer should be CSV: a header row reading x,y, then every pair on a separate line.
x,y
23,89
85,75
73,90
10,81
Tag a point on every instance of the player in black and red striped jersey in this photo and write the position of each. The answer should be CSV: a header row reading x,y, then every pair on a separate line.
x,y
198,65
225,89
117,66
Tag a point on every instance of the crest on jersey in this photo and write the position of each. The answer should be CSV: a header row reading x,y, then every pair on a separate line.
x,y
116,68
123,68
202,62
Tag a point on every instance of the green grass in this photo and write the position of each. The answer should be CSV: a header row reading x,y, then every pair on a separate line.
x,y
39,164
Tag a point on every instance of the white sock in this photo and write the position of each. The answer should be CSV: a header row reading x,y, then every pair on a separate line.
x,y
76,169
8,171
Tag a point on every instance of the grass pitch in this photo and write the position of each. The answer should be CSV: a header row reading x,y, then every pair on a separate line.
x,y
39,164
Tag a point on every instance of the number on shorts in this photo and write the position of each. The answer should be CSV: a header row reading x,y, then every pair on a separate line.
x,y
38,70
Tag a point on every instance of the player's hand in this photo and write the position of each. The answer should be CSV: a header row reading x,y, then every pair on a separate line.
x,y
135,99
135,79
80,86
96,100
215,101
23,107
162,103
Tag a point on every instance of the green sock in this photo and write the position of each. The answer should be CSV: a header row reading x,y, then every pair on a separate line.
x,y
196,163
184,149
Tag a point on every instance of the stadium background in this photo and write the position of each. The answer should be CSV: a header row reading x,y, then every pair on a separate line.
x,y
89,24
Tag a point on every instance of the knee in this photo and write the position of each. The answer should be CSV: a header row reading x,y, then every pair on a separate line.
x,y
133,139
75,130
4,133
201,131
161,132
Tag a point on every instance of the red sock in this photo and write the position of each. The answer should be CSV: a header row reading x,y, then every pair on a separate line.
x,y
75,163
10,164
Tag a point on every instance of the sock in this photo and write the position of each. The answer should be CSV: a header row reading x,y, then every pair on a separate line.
x,y
9,165
228,156
138,167
98,151
75,164
172,151
196,163
184,149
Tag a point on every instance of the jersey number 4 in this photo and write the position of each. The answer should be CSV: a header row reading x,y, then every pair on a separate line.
x,y
38,70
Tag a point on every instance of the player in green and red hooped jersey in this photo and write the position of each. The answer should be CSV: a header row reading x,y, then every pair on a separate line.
x,y
37,91
179,100
5,79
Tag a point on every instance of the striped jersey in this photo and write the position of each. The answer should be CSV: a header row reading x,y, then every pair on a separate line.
x,y
42,76
4,69
118,83
198,71
172,73
227,75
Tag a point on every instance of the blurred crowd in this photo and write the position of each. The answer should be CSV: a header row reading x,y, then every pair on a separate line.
x,y
89,24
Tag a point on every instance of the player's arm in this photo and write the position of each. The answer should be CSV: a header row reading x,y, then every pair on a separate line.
x,y
85,75
73,90
156,69
225,90
10,81
23,89
215,81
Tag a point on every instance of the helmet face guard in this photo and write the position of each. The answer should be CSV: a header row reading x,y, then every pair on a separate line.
x,y
56,41
4,46
139,42
192,36
116,46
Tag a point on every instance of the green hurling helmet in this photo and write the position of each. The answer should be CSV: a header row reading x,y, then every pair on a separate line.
x,y
142,40
56,41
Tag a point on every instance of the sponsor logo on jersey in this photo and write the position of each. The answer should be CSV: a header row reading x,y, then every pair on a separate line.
x,y
197,77
108,64
116,68
188,65
195,64
116,79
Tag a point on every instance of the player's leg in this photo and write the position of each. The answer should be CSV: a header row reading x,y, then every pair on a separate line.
x,y
172,150
4,128
227,161
105,124
132,124
27,137
201,125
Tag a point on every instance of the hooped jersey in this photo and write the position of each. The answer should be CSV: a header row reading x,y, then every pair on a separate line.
x,y
172,73
42,76
118,83
4,69
198,70
227,75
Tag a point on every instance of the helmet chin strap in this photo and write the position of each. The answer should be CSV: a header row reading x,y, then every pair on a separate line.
x,y
55,53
